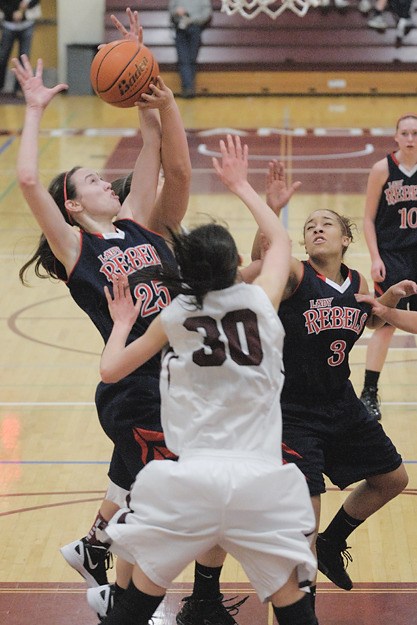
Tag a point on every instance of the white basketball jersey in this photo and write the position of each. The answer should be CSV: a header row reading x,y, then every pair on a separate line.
x,y
221,377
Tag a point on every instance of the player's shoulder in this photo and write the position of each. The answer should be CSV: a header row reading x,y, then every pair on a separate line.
x,y
380,166
379,172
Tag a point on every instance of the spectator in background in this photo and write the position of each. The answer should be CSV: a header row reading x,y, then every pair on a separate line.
x,y
189,18
18,25
401,10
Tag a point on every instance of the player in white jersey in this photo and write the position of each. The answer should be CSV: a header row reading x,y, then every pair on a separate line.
x,y
221,384
223,397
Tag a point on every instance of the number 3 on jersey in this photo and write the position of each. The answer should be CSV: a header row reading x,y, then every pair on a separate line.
x,y
339,353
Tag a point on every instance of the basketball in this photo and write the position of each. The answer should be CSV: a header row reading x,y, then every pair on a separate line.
x,y
121,71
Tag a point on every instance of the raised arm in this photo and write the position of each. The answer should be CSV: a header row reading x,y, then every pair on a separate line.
x,y
61,237
278,194
172,201
233,171
164,142
169,207
140,201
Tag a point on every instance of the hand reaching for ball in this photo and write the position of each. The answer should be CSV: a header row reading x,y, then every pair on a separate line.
x,y
135,32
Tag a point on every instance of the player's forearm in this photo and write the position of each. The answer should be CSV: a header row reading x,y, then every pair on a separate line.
x,y
403,319
269,224
174,149
28,157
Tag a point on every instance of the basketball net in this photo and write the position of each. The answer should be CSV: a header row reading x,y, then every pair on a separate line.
x,y
251,8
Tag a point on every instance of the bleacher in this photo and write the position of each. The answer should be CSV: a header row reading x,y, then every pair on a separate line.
x,y
326,51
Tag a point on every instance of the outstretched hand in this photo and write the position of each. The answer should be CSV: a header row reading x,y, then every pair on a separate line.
x,y
135,32
405,288
233,170
121,306
278,194
31,82
160,97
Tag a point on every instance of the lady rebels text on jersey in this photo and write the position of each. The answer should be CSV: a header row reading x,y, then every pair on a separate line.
x,y
322,322
128,250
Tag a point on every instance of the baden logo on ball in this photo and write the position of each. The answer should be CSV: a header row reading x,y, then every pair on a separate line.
x,y
121,71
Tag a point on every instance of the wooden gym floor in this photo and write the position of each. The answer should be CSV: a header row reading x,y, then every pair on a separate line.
x,y
53,453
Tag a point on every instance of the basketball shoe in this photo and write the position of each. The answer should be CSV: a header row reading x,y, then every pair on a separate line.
x,y
91,561
333,560
209,611
378,22
369,398
405,24
101,599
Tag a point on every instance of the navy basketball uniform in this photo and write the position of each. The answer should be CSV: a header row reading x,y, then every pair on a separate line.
x,y
326,428
396,229
129,410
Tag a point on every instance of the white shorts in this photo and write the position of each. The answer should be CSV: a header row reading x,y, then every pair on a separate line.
x,y
257,510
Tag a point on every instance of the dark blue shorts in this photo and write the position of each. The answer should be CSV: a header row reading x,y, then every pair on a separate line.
x,y
129,413
336,438
399,265
133,449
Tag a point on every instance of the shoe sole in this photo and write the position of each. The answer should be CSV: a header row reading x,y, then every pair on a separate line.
x,y
77,563
97,606
326,572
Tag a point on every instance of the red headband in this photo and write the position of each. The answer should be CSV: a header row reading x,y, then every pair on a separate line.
x,y
66,198
65,187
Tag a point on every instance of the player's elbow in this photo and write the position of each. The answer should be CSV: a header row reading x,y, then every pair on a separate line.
x,y
181,173
27,178
108,375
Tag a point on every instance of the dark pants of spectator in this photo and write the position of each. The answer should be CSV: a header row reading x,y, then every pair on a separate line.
x,y
24,37
402,8
188,42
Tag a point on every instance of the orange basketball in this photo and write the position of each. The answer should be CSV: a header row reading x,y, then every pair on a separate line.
x,y
121,71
